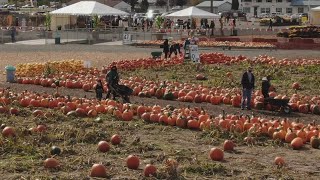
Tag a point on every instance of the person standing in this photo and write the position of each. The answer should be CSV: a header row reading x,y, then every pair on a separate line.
x,y
270,24
212,26
99,89
13,34
247,82
113,80
228,18
221,27
166,48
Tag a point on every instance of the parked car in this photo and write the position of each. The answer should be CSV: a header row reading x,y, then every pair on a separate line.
x,y
299,15
27,6
43,7
232,14
12,7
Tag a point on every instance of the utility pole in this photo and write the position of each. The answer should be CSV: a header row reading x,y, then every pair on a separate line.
x,y
211,6
309,13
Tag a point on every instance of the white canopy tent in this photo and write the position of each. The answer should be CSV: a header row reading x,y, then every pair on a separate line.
x,y
193,12
63,15
88,8
315,16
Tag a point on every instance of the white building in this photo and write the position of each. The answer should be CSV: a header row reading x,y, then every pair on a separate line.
x,y
257,7
3,1
218,6
123,6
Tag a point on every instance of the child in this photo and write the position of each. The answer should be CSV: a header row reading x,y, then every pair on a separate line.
x,y
265,86
99,89
166,48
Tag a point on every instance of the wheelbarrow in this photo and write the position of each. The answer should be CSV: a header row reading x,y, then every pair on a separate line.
x,y
156,54
281,103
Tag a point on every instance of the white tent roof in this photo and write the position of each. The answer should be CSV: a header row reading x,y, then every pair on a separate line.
x,y
88,8
316,9
193,12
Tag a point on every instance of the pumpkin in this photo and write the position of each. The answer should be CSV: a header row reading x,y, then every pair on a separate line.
x,y
200,77
228,145
103,146
41,128
98,170
133,162
279,161
8,131
315,109
193,124
146,116
290,136
295,85
150,170
216,154
51,163
315,142
297,143
115,139
127,115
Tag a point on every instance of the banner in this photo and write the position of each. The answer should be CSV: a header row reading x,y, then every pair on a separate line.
x,y
194,53
127,39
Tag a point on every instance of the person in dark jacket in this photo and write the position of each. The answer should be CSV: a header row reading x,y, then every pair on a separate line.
x,y
99,89
247,82
166,48
173,49
266,86
13,34
212,26
112,80
270,24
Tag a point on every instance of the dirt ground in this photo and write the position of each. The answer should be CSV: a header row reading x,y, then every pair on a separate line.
x,y
152,142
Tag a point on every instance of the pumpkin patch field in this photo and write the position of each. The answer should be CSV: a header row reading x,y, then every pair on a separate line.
x,y
184,121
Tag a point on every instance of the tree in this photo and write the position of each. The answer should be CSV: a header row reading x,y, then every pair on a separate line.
x,y
132,3
181,2
161,3
235,5
195,2
48,21
144,5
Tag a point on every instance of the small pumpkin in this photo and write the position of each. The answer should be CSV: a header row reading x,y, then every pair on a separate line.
x,y
216,154
315,142
133,162
279,161
228,145
98,170
51,163
149,170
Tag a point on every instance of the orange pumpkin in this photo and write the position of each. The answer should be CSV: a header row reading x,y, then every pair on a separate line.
x,y
133,162
150,170
98,170
216,154
297,143
228,145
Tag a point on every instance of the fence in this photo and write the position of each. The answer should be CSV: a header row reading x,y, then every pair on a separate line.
x,y
90,36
